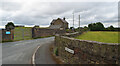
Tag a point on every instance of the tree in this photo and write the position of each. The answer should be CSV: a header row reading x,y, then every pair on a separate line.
x,y
100,26
9,26
90,26
96,26
85,27
111,28
71,27
78,27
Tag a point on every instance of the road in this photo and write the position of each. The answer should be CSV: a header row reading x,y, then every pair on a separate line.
x,y
20,52
43,53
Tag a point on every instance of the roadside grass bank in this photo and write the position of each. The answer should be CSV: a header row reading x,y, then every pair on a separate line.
x,y
100,36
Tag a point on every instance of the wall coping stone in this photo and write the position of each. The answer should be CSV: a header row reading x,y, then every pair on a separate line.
x,y
96,42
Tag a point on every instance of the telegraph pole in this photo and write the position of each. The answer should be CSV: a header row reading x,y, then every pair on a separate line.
x,y
79,21
73,19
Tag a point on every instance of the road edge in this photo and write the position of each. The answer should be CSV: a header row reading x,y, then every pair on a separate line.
x,y
56,58
33,56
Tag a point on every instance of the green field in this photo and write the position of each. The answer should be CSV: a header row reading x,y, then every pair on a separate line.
x,y
22,33
100,36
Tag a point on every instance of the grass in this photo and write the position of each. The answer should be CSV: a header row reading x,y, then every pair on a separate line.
x,y
22,33
100,36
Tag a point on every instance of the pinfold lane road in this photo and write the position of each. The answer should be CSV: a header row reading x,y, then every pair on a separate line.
x,y
20,52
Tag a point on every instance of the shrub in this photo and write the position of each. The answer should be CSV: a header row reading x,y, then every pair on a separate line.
x,y
56,51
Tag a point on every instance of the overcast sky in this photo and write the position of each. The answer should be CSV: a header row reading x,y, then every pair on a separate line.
x,y
36,12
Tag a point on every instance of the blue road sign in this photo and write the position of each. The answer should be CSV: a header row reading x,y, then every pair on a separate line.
x,y
7,32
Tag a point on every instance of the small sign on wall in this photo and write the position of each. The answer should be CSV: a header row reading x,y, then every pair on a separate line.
x,y
7,32
69,50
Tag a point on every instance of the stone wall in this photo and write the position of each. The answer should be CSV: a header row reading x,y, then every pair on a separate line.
x,y
86,52
7,37
42,32
23,33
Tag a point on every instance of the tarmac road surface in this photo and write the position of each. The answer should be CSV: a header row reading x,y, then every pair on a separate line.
x,y
20,52
43,55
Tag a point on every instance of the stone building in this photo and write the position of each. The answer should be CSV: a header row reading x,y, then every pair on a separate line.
x,y
59,24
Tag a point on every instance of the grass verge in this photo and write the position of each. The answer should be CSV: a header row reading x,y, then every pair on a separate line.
x,y
100,36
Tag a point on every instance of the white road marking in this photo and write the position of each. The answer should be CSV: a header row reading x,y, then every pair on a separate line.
x,y
33,57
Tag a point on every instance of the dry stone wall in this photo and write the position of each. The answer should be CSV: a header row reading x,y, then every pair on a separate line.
x,y
27,33
87,52
43,32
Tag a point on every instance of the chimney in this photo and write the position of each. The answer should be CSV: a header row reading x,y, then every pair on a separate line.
x,y
64,18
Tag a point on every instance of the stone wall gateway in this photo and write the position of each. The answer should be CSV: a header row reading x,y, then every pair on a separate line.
x,y
86,52
7,37
27,33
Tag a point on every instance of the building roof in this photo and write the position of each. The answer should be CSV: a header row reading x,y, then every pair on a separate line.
x,y
60,19
53,20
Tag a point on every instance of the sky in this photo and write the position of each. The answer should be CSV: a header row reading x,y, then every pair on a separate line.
x,y
42,12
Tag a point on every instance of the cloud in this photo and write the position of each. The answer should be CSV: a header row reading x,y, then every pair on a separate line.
x,y
10,6
41,13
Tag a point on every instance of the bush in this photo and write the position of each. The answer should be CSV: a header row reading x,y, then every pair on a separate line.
x,y
10,26
72,28
67,30
111,28
96,26
56,51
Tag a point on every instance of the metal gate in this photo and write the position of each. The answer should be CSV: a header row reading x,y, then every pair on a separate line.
x,y
22,33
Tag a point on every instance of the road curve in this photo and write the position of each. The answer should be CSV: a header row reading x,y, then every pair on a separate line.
x,y
43,55
20,52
